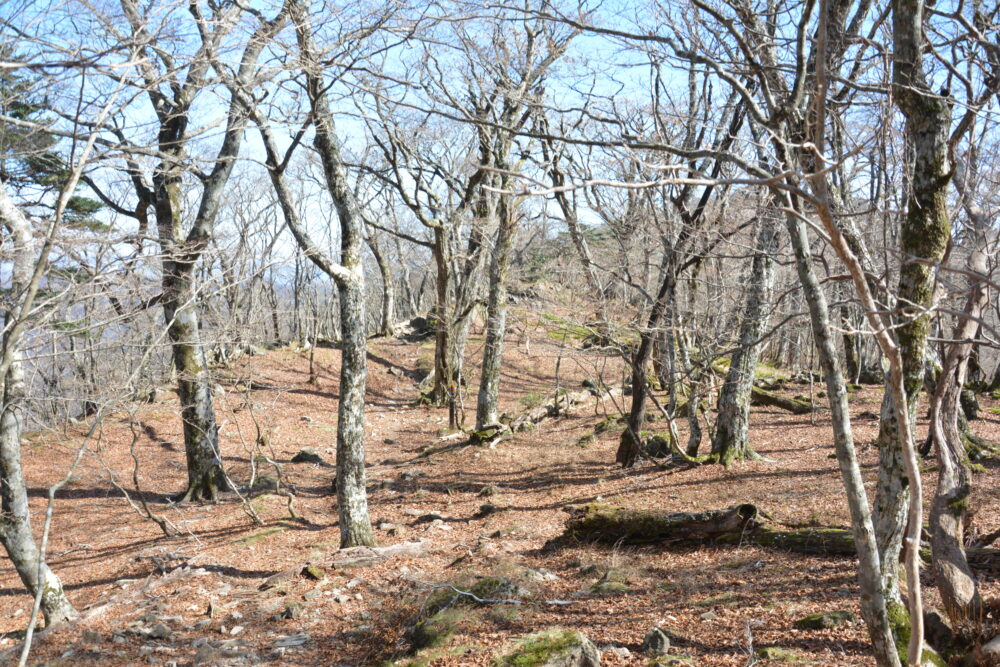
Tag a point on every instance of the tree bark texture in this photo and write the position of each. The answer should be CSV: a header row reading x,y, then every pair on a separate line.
x,y
15,517
731,441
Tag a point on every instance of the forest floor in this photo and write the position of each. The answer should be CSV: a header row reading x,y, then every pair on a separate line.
x,y
217,593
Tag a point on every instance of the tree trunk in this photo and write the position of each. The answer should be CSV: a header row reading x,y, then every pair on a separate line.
x,y
631,439
924,236
873,601
352,497
851,339
731,442
15,517
950,507
15,522
487,410
445,374
194,387
387,321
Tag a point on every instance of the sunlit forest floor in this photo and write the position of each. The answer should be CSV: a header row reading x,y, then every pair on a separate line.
x,y
227,591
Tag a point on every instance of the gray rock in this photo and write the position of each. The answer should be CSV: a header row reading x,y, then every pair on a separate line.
x,y
307,455
709,616
991,650
619,651
291,611
656,642
292,640
160,631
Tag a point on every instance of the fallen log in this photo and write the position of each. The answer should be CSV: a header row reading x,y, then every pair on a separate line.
x,y
561,406
761,396
796,406
607,523
365,556
737,525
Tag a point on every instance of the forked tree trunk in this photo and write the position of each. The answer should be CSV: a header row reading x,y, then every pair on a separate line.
x,y
352,497
731,442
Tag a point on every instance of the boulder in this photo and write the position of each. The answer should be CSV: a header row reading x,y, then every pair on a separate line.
x,y
552,648
307,455
656,642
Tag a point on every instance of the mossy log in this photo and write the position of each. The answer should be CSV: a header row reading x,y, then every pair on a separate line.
x,y
739,524
761,396
607,523
796,406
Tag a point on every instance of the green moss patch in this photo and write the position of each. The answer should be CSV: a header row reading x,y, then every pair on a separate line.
x,y
547,647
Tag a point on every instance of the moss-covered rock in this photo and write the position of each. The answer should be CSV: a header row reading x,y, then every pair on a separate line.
x,y
656,445
437,629
609,423
614,574
825,620
497,588
609,588
551,648
669,661
488,434
778,653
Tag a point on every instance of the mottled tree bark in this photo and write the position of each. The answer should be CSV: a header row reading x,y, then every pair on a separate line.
x,y
194,388
487,410
731,441
387,320
15,521
15,518
352,496
925,231
873,601
950,507
172,91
